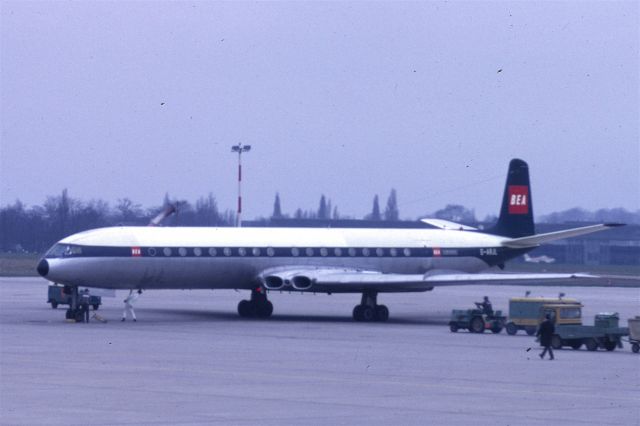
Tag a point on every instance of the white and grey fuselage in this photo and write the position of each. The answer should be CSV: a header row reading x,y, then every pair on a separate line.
x,y
243,258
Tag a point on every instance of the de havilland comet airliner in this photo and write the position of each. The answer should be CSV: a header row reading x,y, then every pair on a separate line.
x,y
320,260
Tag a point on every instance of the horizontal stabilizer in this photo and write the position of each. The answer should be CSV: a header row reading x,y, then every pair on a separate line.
x,y
536,240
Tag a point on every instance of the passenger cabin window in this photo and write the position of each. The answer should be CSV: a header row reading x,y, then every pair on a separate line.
x,y
380,252
213,252
227,251
365,252
394,252
167,251
324,252
152,251
182,251
270,251
337,251
295,252
407,252
197,251
309,251
352,252
255,251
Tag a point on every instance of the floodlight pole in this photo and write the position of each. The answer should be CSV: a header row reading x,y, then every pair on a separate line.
x,y
240,149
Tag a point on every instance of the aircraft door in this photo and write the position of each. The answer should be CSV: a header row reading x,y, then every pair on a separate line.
x,y
426,261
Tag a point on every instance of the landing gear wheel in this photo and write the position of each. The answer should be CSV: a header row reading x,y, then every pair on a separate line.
x,y
512,329
556,342
453,328
54,305
476,325
575,344
530,330
245,309
357,313
381,313
365,313
368,313
369,310
591,344
635,347
610,345
496,329
258,306
264,309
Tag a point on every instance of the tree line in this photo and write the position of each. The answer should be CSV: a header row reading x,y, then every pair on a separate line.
x,y
327,211
36,228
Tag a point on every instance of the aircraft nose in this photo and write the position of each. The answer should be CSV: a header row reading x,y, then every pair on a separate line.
x,y
43,267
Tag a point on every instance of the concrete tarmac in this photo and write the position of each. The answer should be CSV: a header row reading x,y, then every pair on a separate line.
x,y
191,360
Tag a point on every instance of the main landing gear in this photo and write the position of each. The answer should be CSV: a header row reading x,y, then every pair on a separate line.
x,y
369,310
256,307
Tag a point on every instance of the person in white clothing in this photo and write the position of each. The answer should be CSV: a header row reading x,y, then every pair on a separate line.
x,y
128,304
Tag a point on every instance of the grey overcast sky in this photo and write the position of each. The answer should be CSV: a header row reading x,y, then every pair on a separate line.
x,y
346,99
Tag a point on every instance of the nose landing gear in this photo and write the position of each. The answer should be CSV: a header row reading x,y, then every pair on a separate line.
x,y
256,307
369,310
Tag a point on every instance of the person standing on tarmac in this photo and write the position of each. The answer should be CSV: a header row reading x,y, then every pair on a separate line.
x,y
128,304
545,331
85,298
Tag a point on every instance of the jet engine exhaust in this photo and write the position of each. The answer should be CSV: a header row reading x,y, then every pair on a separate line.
x,y
273,282
301,282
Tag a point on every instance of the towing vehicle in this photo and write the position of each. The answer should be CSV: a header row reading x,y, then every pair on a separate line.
x,y
476,321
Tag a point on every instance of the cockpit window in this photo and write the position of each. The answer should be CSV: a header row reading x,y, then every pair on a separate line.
x,y
64,250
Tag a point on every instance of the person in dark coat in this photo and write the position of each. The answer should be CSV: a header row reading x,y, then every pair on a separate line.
x,y
545,332
485,306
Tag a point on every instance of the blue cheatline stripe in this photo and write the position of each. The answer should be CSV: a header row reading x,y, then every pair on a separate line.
x,y
497,255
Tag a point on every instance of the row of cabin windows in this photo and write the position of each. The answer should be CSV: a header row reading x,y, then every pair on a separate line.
x,y
295,251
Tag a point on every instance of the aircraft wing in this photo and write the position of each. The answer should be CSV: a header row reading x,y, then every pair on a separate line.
x,y
347,280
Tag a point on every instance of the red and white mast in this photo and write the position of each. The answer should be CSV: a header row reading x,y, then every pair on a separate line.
x,y
240,149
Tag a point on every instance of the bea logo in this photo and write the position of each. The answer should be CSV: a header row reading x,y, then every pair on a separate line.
x,y
518,199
